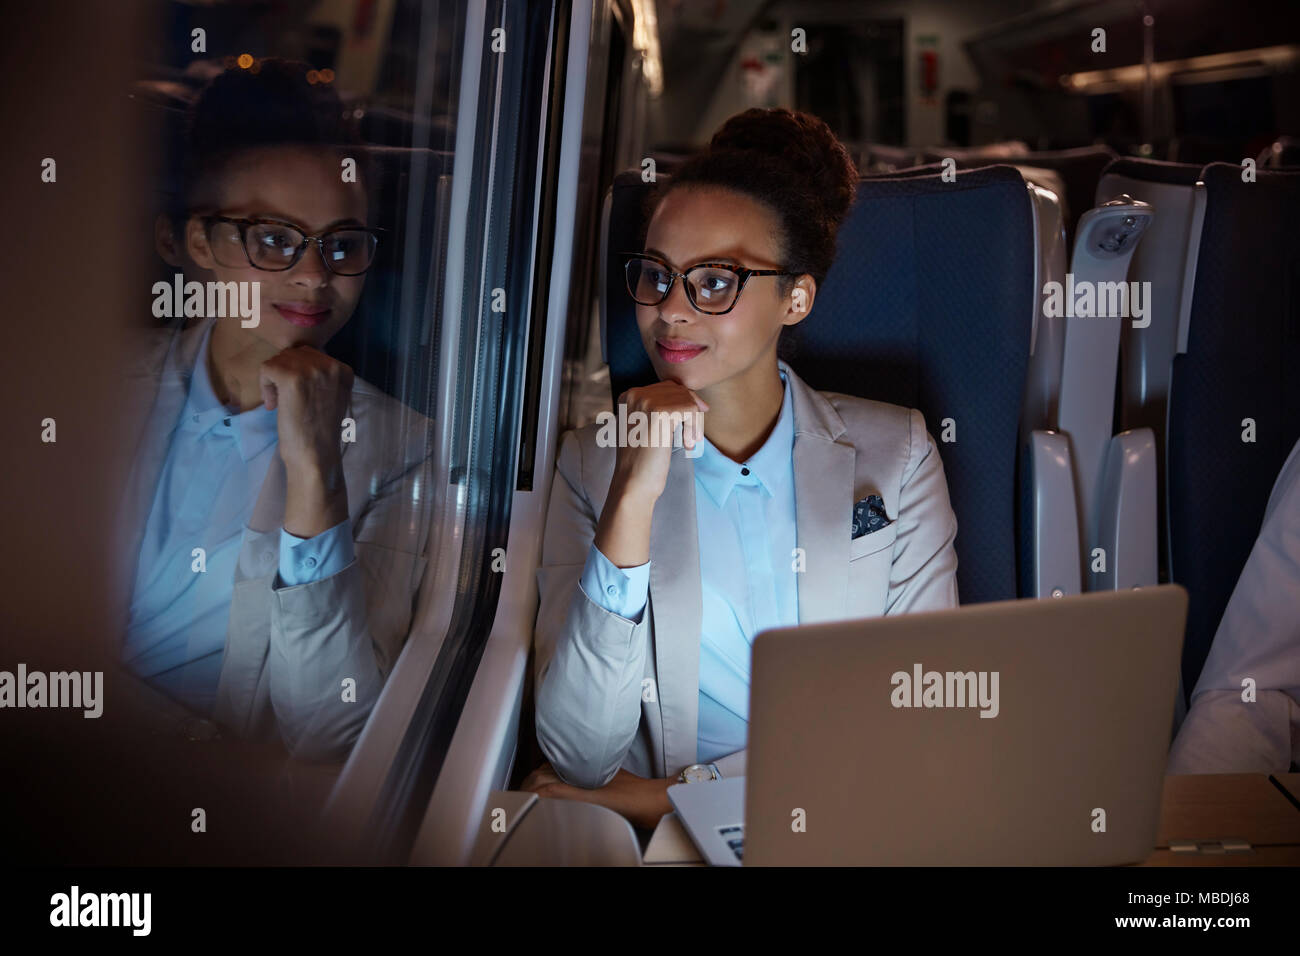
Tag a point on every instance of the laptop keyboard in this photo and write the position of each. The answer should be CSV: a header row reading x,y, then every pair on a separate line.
x,y
735,838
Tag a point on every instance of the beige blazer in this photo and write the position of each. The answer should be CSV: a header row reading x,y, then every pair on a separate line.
x,y
288,651
592,716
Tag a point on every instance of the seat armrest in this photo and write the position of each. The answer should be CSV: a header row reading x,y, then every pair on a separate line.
x,y
506,809
1126,516
569,833
1057,563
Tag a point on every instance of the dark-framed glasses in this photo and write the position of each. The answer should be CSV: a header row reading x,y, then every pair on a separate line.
x,y
275,245
711,287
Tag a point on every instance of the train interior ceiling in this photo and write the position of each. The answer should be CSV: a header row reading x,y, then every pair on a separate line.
x,y
509,145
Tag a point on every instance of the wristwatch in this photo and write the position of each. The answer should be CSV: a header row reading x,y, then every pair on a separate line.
x,y
700,773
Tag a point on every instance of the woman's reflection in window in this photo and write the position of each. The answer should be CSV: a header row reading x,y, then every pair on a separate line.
x,y
277,557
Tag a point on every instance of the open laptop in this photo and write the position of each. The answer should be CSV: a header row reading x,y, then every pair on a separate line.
x,y
1028,732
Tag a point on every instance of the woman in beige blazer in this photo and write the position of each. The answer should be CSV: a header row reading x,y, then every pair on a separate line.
x,y
752,219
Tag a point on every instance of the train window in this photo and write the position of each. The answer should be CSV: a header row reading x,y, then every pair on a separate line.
x,y
345,224
293,513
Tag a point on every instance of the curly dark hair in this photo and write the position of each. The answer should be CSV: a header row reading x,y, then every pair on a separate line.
x,y
271,105
790,162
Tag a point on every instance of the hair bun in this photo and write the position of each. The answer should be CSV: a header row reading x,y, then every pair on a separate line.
x,y
800,141
275,105
792,164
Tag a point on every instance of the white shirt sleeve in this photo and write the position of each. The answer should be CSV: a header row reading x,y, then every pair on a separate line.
x,y
1245,714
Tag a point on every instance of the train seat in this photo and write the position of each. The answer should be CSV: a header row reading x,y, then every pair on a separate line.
x,y
388,341
1234,396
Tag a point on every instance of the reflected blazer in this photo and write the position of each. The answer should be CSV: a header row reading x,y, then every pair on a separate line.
x,y
591,664
288,650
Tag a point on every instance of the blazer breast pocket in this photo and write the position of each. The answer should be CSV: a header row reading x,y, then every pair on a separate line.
x,y
867,544
870,559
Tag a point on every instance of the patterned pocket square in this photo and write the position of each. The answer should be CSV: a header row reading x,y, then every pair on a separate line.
x,y
869,515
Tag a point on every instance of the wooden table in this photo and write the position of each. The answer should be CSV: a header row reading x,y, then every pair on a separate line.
x,y
1290,782
1205,820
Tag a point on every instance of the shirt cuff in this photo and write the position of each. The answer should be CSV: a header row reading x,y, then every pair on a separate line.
x,y
306,560
621,591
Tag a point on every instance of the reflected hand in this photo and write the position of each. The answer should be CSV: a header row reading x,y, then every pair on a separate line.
x,y
310,390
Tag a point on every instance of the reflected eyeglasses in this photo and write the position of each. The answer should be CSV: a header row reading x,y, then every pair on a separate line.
x,y
711,287
274,245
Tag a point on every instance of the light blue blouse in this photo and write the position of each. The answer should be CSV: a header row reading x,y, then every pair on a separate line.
x,y
209,483
745,516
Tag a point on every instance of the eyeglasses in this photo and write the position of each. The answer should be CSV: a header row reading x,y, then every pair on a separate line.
x,y
274,245
711,287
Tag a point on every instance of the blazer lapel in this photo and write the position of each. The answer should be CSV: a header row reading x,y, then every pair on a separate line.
x,y
678,607
823,496
155,396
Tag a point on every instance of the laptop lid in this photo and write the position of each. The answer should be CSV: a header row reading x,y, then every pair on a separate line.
x,y
1028,732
